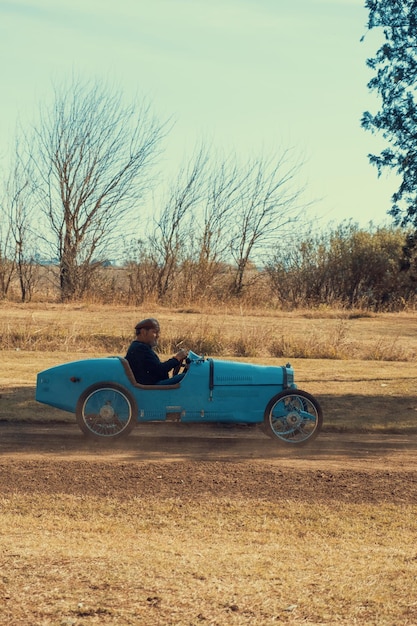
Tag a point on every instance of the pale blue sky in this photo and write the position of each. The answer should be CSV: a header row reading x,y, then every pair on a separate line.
x,y
250,76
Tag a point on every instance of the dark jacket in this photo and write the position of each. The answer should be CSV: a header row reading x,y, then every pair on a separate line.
x,y
145,364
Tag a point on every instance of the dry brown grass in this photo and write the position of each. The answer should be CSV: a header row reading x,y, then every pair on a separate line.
x,y
78,561
229,332
361,368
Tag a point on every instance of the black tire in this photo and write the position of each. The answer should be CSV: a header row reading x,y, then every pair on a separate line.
x,y
106,411
293,417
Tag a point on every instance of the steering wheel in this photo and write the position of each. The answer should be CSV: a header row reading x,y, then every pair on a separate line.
x,y
178,367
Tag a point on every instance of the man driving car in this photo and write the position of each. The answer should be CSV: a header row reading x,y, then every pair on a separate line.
x,y
145,364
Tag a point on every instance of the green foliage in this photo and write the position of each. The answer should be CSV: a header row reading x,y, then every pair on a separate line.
x,y
395,66
348,266
345,267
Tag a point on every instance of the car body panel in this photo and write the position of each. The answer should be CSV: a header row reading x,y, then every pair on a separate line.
x,y
211,391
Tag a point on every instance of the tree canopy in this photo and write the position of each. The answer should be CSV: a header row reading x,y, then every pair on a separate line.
x,y
91,156
395,67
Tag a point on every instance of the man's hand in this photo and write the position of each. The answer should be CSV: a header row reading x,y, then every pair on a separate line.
x,y
181,355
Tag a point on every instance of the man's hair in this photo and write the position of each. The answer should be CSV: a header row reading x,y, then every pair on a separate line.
x,y
149,323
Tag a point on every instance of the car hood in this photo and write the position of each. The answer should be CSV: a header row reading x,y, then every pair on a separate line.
x,y
234,373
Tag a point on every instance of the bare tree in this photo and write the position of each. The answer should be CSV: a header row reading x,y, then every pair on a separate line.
x,y
15,231
220,213
92,156
267,200
172,233
7,253
142,271
215,227
21,219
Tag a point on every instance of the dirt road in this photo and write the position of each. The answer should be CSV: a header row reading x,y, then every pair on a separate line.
x,y
179,442
188,462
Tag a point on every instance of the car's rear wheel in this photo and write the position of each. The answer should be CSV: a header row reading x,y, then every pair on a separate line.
x,y
293,416
106,411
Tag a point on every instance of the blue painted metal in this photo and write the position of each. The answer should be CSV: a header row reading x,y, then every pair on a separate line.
x,y
233,392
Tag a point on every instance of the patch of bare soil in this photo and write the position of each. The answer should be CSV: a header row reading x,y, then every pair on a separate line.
x,y
194,462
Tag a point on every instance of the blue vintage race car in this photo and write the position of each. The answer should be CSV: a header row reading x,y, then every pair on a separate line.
x,y
108,402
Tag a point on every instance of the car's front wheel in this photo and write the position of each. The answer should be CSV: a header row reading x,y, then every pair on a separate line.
x,y
293,416
106,411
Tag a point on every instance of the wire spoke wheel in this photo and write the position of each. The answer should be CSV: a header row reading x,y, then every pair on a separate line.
x,y
293,417
106,410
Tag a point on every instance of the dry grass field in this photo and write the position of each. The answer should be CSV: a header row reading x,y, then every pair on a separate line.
x,y
362,368
213,528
